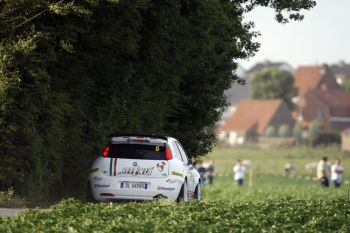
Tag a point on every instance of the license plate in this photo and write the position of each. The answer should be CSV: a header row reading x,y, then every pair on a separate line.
x,y
134,185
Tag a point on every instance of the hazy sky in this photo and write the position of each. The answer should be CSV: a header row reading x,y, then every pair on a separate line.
x,y
322,37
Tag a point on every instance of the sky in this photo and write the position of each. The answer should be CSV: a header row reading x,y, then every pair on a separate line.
x,y
322,37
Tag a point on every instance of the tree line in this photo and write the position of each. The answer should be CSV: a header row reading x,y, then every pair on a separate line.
x,y
72,72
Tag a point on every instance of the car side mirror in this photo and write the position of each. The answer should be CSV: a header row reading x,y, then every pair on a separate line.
x,y
189,162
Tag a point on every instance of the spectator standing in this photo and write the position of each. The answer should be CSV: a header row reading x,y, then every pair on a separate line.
x,y
336,173
323,172
210,172
202,171
289,169
239,171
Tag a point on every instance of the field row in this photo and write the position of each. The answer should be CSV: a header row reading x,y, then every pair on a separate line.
x,y
269,187
272,216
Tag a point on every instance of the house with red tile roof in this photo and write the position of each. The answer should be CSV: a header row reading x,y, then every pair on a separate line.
x,y
251,120
320,97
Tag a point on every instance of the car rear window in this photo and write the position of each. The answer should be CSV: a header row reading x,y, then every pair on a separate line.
x,y
137,151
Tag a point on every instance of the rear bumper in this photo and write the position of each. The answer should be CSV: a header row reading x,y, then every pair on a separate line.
x,y
108,188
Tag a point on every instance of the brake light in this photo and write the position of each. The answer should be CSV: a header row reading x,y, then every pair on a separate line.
x,y
105,151
168,155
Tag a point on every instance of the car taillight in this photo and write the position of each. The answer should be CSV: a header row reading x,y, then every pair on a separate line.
x,y
105,151
168,155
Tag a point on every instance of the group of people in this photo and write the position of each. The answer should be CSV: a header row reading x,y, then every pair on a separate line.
x,y
206,172
327,173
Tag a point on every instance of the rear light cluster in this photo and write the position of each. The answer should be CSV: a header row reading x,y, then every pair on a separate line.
x,y
105,151
168,154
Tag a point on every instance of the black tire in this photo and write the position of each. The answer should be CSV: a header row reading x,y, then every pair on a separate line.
x,y
183,196
89,196
198,192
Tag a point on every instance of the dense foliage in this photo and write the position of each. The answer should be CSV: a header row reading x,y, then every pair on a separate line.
x,y
273,83
71,72
273,216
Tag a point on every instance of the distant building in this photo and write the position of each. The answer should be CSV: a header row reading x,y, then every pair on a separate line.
x,y
320,97
238,92
341,71
252,118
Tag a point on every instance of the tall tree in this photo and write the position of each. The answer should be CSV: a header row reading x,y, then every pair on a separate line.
x,y
273,83
71,72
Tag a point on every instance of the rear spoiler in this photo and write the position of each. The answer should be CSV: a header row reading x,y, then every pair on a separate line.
x,y
138,135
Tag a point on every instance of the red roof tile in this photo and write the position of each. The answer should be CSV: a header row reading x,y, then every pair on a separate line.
x,y
252,113
313,106
307,77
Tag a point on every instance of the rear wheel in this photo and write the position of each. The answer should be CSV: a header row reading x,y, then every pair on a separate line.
x,y
89,196
198,192
183,195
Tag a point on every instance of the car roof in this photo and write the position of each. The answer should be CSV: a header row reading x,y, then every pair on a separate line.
x,y
153,136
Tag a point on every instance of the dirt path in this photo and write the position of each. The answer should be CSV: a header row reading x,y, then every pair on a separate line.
x,y
6,212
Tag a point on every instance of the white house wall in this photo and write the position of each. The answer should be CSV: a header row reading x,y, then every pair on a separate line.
x,y
231,138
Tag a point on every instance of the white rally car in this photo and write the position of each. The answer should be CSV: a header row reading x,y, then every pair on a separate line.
x,y
143,167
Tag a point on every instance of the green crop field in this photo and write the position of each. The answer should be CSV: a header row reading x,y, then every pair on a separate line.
x,y
284,215
270,203
266,178
272,161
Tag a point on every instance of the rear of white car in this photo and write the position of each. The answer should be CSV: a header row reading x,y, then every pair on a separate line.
x,y
140,167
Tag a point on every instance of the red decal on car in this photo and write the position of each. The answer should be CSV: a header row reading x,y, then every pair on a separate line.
x,y
161,166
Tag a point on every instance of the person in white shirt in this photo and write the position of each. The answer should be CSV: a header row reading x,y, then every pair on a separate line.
x,y
336,173
239,171
324,172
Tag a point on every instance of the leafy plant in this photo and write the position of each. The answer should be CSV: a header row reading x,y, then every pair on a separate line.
x,y
270,131
298,132
315,129
285,215
284,131
8,198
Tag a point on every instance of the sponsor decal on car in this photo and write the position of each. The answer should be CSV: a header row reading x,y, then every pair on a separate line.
x,y
113,167
176,173
102,185
136,170
171,181
165,188
94,170
161,166
96,178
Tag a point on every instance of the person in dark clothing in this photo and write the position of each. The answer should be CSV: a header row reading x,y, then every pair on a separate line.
x,y
210,172
202,171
